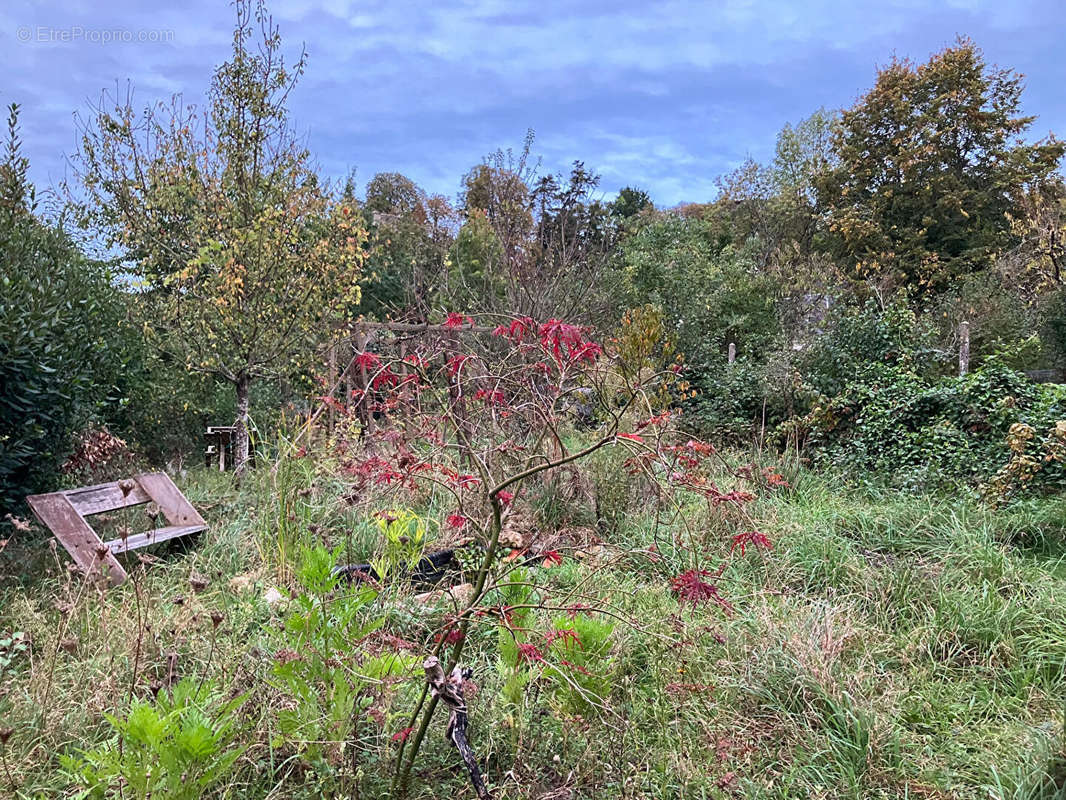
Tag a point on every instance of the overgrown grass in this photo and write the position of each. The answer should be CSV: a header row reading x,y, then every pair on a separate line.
x,y
889,645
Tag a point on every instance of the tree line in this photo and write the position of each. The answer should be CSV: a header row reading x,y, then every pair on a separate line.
x,y
224,260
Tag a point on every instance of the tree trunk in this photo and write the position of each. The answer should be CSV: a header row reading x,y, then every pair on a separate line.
x,y
240,449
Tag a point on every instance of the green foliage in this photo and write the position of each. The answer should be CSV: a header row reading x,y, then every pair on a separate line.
x,y
315,665
411,236
178,746
403,538
731,400
245,260
581,665
13,645
60,336
1052,315
928,162
891,424
630,203
476,268
710,295
999,318
858,336
613,489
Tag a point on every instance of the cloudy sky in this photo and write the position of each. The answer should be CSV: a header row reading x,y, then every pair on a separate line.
x,y
661,95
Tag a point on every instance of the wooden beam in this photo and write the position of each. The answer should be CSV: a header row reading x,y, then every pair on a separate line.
x,y
89,553
171,501
152,537
106,497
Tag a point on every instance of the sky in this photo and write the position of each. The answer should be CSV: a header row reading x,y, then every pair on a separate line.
x,y
665,96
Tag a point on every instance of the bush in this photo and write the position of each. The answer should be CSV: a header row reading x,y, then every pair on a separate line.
x,y
893,424
859,336
59,318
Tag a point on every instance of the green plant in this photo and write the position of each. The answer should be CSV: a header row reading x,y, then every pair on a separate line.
x,y
578,648
61,329
1036,461
892,425
178,746
403,538
318,667
12,646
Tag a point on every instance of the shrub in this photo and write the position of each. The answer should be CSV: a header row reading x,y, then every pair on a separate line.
x,y
869,334
178,746
60,323
892,423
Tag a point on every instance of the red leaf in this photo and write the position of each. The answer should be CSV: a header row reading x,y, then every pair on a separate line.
x,y
753,538
691,587
367,361
456,320
568,636
529,653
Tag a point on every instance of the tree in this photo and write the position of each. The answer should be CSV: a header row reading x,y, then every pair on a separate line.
x,y
549,244
629,203
524,387
572,239
929,161
710,295
410,237
1038,264
498,191
244,259
774,207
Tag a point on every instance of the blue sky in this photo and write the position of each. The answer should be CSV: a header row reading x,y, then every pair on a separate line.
x,y
661,95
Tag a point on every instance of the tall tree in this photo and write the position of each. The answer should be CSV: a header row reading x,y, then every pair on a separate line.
x,y
246,260
929,161
410,237
629,203
1038,264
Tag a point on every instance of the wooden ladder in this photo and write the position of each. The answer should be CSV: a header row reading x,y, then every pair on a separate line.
x,y
65,515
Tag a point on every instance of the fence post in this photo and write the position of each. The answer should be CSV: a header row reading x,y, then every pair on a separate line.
x,y
964,348
732,352
332,382
366,416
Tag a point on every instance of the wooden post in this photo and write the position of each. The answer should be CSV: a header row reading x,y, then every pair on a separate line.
x,y
732,352
348,378
964,348
366,417
332,382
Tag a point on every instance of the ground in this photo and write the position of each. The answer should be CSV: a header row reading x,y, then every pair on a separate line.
x,y
888,644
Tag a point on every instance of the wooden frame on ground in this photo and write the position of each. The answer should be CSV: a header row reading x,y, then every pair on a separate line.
x,y
64,513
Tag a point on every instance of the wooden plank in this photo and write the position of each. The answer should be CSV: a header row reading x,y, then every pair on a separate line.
x,y
58,513
106,497
152,537
170,500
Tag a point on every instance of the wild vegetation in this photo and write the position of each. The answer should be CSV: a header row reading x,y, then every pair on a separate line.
x,y
688,502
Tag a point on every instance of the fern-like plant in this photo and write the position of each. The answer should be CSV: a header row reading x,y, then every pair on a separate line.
x,y
177,746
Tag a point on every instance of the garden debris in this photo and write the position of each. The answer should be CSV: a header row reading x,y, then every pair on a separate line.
x,y
460,595
65,514
198,582
431,569
242,583
450,691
